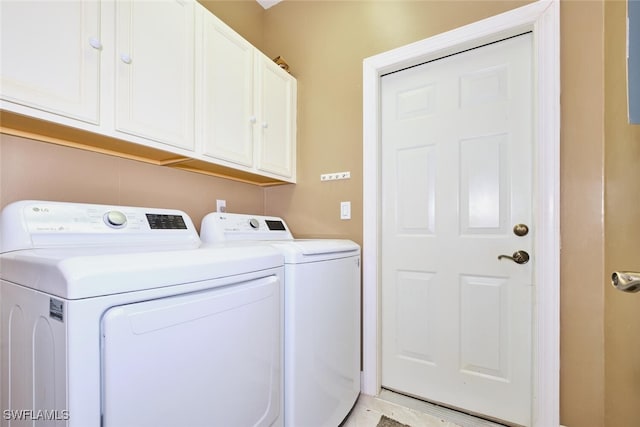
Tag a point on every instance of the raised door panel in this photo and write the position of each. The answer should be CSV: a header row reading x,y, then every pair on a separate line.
x,y
225,118
277,120
155,70
50,56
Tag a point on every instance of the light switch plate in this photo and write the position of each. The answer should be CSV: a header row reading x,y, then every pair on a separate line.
x,y
345,210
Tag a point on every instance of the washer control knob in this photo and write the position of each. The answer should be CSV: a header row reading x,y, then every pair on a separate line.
x,y
254,223
115,219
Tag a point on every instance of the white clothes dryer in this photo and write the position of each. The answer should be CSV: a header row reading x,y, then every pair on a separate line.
x,y
114,316
321,315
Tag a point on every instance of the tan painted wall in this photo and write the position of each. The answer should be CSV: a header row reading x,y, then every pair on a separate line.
x,y
36,170
622,225
582,227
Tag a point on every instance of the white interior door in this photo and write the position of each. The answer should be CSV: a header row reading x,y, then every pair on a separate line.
x,y
456,179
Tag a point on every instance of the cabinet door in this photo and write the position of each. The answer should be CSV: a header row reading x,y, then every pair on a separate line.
x,y
50,56
154,70
225,117
277,119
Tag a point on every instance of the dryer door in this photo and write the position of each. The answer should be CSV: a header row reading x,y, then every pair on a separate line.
x,y
209,358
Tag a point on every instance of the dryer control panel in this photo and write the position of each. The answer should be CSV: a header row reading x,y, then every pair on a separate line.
x,y
32,224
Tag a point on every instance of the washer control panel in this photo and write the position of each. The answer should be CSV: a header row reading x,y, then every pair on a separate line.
x,y
222,226
115,219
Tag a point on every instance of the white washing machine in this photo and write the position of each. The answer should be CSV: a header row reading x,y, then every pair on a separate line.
x,y
114,316
321,315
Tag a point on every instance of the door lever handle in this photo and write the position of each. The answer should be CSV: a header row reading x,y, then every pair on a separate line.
x,y
627,281
519,257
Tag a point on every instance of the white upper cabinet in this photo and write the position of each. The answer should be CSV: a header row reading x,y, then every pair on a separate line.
x,y
225,121
246,104
276,100
164,80
50,57
155,70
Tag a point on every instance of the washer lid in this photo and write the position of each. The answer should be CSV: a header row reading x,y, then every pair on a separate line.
x,y
313,250
233,229
85,273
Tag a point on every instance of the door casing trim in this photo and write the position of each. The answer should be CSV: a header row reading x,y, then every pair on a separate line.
x,y
542,18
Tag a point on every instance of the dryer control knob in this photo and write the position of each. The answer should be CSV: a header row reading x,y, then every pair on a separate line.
x,y
115,219
254,223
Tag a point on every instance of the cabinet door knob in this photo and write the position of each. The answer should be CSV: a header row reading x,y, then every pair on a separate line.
x,y
125,58
95,43
252,119
265,125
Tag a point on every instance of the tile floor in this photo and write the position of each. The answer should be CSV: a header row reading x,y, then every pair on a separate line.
x,y
368,410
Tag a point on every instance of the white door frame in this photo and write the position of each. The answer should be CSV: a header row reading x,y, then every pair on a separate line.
x,y
542,18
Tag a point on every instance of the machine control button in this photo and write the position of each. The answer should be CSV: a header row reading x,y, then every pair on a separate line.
x,y
254,223
115,219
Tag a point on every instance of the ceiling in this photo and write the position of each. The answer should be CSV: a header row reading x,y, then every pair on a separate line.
x,y
268,3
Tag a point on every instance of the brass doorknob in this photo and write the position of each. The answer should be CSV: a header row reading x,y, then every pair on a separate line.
x,y
519,257
520,230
